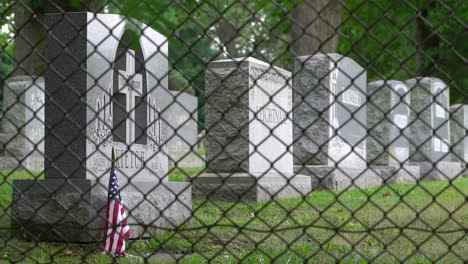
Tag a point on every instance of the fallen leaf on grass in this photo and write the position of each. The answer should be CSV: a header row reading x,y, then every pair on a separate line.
x,y
386,194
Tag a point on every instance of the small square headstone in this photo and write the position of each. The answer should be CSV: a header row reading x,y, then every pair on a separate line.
x,y
248,117
329,111
249,134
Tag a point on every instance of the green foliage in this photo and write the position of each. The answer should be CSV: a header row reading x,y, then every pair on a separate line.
x,y
6,67
377,39
189,47
201,151
381,37
6,44
177,82
181,174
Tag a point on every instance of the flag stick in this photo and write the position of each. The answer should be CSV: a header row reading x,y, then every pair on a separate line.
x,y
113,155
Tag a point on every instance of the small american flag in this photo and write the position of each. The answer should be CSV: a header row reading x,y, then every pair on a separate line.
x,y
116,228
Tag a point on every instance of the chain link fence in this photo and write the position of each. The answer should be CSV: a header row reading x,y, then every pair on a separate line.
x,y
233,131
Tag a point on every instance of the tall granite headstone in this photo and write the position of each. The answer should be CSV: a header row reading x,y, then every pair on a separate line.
x,y
106,78
182,116
430,129
388,114
249,133
22,138
330,121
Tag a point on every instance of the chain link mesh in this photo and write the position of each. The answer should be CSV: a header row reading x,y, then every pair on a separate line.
x,y
308,131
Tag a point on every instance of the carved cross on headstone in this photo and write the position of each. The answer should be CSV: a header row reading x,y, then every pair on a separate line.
x,y
130,84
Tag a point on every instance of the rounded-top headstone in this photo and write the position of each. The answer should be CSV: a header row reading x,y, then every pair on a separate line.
x,y
388,113
106,81
430,128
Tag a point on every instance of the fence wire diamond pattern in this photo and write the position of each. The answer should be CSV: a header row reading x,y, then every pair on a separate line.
x,y
309,131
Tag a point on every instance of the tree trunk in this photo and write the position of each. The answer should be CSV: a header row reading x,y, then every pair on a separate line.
x,y
30,33
315,27
227,34
426,43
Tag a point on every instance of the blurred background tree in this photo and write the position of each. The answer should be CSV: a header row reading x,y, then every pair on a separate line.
x,y
6,44
404,39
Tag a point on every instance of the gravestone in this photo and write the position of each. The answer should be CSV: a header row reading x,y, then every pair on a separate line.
x,y
330,122
430,129
202,139
22,138
104,90
183,130
458,127
249,133
388,114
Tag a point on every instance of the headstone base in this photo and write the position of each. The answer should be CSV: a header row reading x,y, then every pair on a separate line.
x,y
443,170
246,187
398,175
334,178
74,210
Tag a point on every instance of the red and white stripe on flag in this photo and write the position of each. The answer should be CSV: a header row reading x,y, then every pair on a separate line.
x,y
116,229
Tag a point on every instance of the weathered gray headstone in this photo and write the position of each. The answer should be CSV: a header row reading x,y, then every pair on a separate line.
x,y
430,129
23,124
459,140
107,77
249,133
330,121
388,114
182,115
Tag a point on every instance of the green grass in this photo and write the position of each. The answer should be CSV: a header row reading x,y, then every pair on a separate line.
x,y
6,179
201,151
181,174
424,223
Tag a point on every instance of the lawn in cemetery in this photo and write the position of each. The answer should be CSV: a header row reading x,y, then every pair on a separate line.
x,y
383,224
